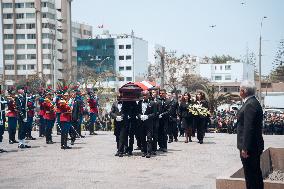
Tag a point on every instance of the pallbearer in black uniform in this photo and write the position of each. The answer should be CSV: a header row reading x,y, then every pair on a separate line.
x,y
3,103
120,130
173,129
147,113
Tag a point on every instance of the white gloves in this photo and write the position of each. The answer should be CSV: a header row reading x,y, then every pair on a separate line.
x,y
118,118
144,117
160,116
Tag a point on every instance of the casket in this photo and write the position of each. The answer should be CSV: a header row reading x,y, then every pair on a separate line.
x,y
130,92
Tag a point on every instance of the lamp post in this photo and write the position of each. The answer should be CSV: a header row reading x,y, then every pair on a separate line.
x,y
260,39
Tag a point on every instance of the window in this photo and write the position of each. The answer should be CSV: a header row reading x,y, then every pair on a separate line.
x,y
7,5
121,46
8,16
46,56
21,57
30,5
218,77
8,57
221,67
30,26
31,46
228,77
110,46
30,15
121,68
8,26
225,89
121,79
186,70
21,67
31,56
20,16
228,67
31,66
8,46
215,67
20,46
9,77
128,57
9,67
19,5
121,57
46,66
31,36
128,78
128,46
47,4
46,46
8,36
128,67
20,26
45,35
20,36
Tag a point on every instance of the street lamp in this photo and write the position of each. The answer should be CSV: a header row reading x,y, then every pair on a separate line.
x,y
260,38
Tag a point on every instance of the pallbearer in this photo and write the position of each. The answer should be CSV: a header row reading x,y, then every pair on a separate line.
x,y
12,115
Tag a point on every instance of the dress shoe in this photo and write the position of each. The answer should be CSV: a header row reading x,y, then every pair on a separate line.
x,y
176,140
68,147
186,141
170,141
143,154
130,153
92,133
116,154
120,155
164,150
2,150
27,146
82,136
148,155
41,135
200,142
154,153
72,142
14,141
11,142
49,142
23,146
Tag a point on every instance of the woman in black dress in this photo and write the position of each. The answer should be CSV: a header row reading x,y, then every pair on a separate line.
x,y
201,121
186,117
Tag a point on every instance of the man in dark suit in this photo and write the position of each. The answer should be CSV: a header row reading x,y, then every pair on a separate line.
x,y
249,138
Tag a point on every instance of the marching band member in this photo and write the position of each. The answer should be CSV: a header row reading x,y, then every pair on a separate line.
x,y
12,116
93,104
41,114
30,115
65,119
49,116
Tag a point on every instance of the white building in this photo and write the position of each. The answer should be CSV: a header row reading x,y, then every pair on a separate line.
x,y
124,54
228,72
36,39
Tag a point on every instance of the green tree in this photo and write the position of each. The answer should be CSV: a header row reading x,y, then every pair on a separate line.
x,y
277,75
223,59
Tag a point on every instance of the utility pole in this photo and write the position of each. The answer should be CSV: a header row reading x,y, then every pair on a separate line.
x,y
162,54
260,55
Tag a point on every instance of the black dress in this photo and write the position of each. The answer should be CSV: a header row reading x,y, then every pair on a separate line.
x,y
185,115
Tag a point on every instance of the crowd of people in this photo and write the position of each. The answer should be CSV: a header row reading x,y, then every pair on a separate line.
x,y
154,121
66,108
273,123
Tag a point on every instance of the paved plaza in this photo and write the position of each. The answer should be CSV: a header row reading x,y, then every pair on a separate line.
x,y
92,164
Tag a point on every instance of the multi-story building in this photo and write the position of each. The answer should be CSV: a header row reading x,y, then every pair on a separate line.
x,y
79,31
36,39
124,55
228,72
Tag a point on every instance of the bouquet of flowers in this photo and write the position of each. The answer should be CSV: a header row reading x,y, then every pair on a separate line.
x,y
198,110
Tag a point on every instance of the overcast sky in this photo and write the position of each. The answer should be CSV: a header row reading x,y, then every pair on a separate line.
x,y
183,25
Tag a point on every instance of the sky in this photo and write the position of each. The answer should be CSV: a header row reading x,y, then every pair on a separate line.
x,y
183,25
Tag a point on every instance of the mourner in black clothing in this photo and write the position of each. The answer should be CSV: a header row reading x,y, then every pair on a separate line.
x,y
186,116
249,135
163,120
173,129
201,120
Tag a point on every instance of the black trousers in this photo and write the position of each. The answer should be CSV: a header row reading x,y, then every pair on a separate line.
x,y
146,134
252,171
155,134
162,133
72,131
122,142
117,133
173,129
200,126
22,129
2,128
132,131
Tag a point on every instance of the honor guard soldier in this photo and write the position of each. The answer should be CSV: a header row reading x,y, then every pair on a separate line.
x,y
147,113
93,104
30,115
21,105
12,116
49,116
173,129
3,103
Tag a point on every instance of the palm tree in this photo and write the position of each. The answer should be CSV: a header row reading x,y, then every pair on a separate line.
x,y
215,98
